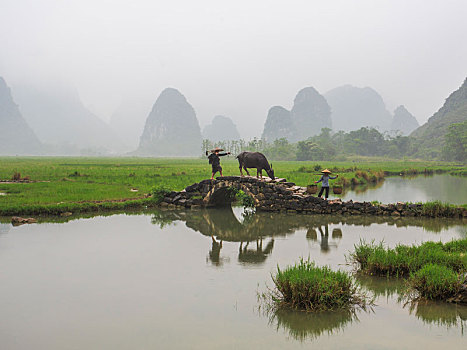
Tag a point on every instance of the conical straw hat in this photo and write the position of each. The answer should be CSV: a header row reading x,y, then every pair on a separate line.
x,y
326,171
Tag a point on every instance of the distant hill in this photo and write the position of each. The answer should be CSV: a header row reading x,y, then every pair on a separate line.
x,y
59,118
430,136
310,113
221,129
353,107
278,125
16,136
403,121
172,128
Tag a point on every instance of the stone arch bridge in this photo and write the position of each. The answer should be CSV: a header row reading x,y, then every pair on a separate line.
x,y
281,195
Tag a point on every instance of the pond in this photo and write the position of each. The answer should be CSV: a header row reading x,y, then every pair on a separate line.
x,y
190,280
445,188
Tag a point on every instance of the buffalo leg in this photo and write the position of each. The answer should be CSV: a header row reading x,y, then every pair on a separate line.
x,y
241,172
246,170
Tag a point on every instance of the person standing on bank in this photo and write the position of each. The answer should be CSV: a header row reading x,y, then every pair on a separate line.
x,y
215,161
325,182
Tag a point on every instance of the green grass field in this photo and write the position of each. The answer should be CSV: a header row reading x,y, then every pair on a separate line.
x,y
63,180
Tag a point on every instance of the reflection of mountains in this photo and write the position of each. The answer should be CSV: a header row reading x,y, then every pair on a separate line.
x,y
311,325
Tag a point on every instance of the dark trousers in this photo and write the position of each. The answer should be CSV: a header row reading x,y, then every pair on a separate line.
x,y
321,192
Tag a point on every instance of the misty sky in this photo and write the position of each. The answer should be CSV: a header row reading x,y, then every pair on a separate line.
x,y
236,58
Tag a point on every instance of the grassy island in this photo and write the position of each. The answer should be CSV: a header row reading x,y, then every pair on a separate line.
x,y
305,286
433,270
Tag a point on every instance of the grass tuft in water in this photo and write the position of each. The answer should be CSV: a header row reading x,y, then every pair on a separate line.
x,y
435,282
435,270
307,287
375,259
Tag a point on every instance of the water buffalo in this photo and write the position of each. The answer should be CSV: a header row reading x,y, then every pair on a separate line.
x,y
255,160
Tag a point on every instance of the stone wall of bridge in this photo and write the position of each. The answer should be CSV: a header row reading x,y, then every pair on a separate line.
x,y
281,195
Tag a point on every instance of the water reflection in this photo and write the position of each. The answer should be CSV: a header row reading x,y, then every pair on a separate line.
x,y
5,228
440,314
304,326
222,223
312,235
444,187
381,286
256,255
430,312
255,232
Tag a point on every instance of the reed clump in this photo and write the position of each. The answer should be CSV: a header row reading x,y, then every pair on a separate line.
x,y
307,287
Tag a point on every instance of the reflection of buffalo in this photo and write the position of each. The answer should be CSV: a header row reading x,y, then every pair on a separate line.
x,y
215,252
255,256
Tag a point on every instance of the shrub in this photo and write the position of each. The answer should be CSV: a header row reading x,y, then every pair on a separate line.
x,y
159,192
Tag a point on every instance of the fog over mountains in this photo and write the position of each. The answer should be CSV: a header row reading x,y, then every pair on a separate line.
x,y
60,119
403,121
16,136
278,125
56,122
171,129
128,122
309,114
353,107
431,134
221,129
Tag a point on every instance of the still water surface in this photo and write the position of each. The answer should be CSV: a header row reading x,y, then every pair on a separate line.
x,y
160,281
445,188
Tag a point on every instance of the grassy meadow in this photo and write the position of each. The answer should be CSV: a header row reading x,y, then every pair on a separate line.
x,y
80,181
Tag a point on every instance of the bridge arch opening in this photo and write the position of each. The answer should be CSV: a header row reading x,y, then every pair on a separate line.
x,y
222,195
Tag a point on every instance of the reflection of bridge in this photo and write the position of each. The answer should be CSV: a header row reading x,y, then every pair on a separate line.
x,y
256,234
258,230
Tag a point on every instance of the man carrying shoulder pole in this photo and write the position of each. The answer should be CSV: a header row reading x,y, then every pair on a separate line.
x,y
215,161
325,182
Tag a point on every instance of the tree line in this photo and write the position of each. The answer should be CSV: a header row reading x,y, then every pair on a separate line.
x,y
338,146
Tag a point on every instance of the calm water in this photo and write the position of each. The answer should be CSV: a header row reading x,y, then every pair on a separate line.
x,y
160,281
446,188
